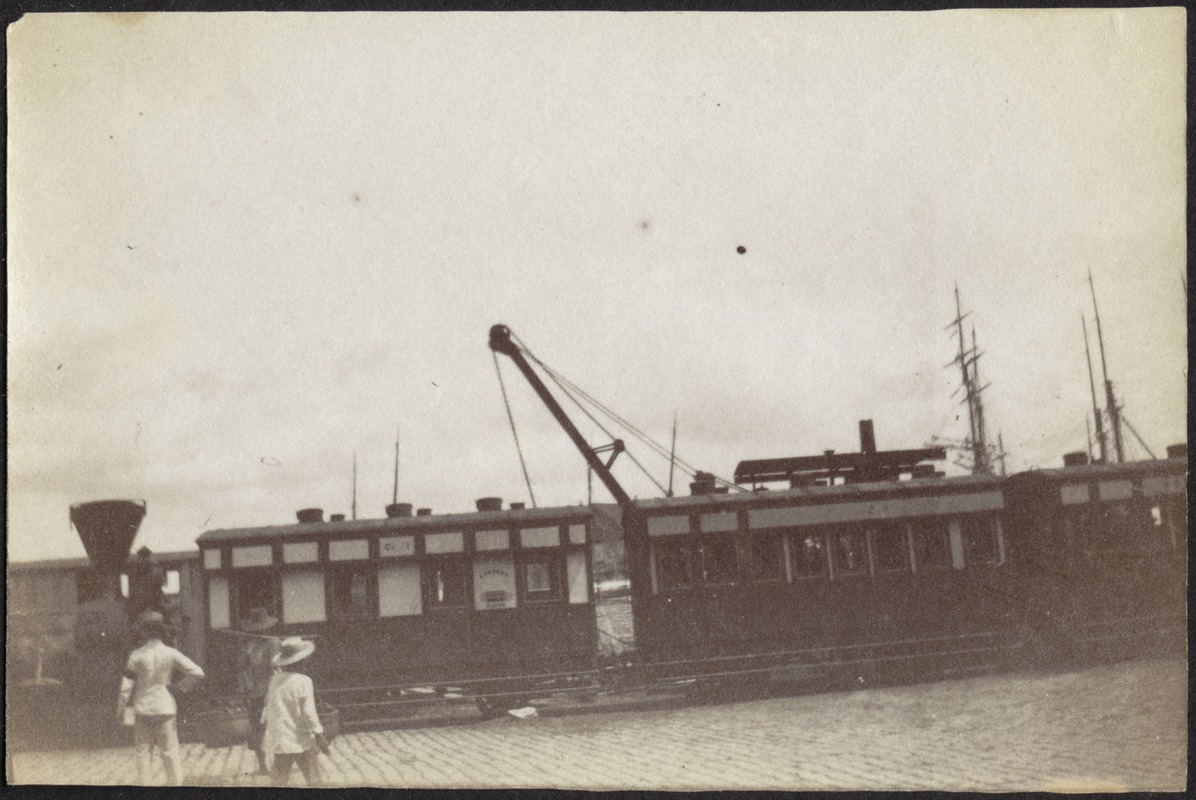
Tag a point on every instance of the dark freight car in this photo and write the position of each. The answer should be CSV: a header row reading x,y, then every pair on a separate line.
x,y
1108,546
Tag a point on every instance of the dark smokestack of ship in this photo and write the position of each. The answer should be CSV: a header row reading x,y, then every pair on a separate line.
x,y
867,437
107,529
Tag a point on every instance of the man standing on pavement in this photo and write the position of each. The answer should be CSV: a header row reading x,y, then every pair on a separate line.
x,y
147,680
257,667
293,729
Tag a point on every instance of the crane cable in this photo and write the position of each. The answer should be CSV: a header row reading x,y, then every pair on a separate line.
x,y
565,389
567,385
514,432
652,444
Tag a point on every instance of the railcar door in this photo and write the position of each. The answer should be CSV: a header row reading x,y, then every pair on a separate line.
x,y
719,596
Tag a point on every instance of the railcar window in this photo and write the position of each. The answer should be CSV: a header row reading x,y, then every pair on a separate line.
x,y
890,548
718,561
979,540
850,552
932,545
542,578
351,592
809,555
252,589
768,557
674,565
446,582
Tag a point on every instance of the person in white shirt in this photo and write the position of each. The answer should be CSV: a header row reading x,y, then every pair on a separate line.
x,y
146,682
293,730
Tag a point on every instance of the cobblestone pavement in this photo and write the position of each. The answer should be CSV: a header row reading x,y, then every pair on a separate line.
x,y
1108,728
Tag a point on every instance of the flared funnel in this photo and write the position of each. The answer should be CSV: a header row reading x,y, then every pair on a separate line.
x,y
107,528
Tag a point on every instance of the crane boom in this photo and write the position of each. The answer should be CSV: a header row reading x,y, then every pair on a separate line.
x,y
500,342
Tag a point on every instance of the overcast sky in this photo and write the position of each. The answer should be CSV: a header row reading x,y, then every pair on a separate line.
x,y
242,246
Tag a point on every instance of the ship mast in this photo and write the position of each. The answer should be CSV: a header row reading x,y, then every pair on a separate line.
x,y
967,360
395,493
1110,401
354,504
672,455
1100,426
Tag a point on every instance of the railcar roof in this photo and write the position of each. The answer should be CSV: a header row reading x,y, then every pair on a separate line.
x,y
473,519
1096,471
84,563
845,492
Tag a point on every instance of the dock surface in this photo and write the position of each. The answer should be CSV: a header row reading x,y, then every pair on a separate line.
x,y
1108,728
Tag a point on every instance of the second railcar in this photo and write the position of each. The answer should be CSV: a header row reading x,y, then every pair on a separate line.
x,y
885,574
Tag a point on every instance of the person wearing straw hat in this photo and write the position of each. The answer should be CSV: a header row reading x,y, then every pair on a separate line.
x,y
293,729
256,669
147,681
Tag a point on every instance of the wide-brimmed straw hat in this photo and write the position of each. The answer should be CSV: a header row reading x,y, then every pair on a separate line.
x,y
259,619
292,650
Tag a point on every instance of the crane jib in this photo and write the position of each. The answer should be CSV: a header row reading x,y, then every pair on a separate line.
x,y
500,342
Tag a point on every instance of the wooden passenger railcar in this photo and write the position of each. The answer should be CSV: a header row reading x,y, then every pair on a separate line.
x,y
890,566
1109,546
403,599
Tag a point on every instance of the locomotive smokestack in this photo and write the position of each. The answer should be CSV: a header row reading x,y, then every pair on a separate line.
x,y
107,529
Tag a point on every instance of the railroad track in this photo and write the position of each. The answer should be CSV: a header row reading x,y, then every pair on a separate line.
x,y
664,681
674,682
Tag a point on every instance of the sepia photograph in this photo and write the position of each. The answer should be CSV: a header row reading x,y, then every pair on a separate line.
x,y
605,400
